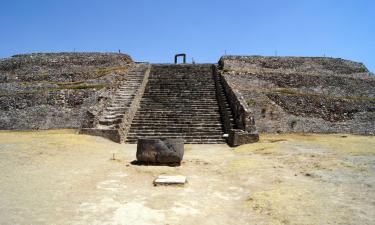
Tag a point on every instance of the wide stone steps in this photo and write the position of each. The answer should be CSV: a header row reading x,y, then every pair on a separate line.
x,y
181,116
178,105
177,121
176,92
179,101
187,139
166,125
182,113
176,130
181,106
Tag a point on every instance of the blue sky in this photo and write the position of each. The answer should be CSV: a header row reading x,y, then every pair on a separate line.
x,y
154,31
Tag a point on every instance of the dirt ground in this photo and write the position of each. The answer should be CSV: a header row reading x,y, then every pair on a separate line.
x,y
59,177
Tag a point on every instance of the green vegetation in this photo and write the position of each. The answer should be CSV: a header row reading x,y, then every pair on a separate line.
x,y
294,92
86,86
85,74
288,91
251,102
67,83
363,69
80,86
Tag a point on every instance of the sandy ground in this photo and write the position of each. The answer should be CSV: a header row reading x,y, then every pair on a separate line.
x,y
59,177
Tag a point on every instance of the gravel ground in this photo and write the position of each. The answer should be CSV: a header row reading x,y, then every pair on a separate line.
x,y
59,177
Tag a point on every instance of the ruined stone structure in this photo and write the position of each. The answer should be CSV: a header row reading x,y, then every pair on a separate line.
x,y
55,90
179,101
109,95
303,94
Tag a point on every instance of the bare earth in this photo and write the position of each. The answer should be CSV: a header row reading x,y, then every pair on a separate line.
x,y
59,177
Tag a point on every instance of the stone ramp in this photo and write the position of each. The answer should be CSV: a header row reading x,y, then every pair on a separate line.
x,y
179,101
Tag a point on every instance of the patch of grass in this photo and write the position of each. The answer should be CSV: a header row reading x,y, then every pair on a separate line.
x,y
287,91
363,69
126,59
67,83
251,102
293,92
73,87
86,86
14,93
42,74
363,98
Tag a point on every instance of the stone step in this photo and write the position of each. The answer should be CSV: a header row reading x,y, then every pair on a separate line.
x,y
183,88
183,135
179,101
191,103
187,140
116,108
181,129
197,108
166,125
178,119
190,116
176,131
111,117
186,97
201,112
165,108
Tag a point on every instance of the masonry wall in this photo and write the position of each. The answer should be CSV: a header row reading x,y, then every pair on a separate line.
x,y
304,94
55,90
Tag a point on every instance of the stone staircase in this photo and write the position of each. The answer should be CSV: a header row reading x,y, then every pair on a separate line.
x,y
108,123
114,112
179,101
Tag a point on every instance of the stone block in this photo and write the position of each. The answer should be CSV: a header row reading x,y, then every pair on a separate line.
x,y
170,180
111,134
161,151
240,137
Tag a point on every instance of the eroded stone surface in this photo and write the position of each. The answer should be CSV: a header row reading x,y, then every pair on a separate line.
x,y
160,151
55,90
303,94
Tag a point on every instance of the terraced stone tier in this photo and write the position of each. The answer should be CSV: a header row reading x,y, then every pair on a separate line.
x,y
179,102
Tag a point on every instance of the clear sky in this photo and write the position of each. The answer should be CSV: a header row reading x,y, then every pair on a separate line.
x,y
154,30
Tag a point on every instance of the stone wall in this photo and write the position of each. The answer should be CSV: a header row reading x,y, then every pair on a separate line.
x,y
317,65
243,130
54,90
225,114
303,94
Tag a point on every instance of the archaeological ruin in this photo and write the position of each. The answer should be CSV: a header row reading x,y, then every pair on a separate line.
x,y
110,95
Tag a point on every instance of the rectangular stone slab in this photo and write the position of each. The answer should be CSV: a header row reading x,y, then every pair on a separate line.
x,y
170,180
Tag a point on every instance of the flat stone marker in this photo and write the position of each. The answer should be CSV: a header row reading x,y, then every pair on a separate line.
x,y
170,180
